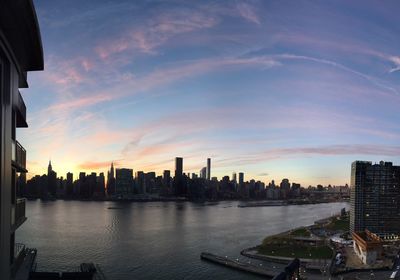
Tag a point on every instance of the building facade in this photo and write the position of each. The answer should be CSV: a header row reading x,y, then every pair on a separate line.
x,y
20,52
374,198
124,181
208,169
179,180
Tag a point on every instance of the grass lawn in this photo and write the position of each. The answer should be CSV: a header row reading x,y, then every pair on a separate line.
x,y
291,249
339,224
302,232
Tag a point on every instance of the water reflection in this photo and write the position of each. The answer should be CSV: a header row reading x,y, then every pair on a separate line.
x,y
160,240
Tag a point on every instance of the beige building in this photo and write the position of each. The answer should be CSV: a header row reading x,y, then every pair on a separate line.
x,y
367,246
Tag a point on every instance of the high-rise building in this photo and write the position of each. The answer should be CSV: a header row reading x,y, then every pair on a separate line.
x,y
20,51
166,182
208,169
111,180
100,185
178,167
167,175
285,188
234,177
375,198
150,179
241,178
82,186
70,184
123,181
203,173
49,168
179,180
140,182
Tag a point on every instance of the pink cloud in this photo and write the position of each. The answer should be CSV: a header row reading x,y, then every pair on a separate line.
x,y
155,32
87,64
329,150
130,85
96,165
80,102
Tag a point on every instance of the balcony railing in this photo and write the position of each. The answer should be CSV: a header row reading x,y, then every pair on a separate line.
x,y
18,213
18,156
20,209
18,257
18,249
20,109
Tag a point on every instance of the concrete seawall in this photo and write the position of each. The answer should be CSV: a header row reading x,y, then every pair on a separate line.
x,y
237,265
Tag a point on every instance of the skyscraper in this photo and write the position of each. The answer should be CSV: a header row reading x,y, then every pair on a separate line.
x,y
140,182
100,185
178,167
179,180
166,182
51,181
111,180
123,181
375,198
234,177
70,184
241,178
49,168
20,51
208,169
203,173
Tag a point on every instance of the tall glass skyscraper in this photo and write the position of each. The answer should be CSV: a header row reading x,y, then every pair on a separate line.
x,y
375,198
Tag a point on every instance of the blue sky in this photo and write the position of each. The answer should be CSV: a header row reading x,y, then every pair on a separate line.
x,y
275,89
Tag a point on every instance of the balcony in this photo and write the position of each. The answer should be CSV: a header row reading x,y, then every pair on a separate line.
x,y
19,254
18,156
20,110
19,249
18,214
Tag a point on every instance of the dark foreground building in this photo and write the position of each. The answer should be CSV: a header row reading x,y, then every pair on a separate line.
x,y
375,198
20,52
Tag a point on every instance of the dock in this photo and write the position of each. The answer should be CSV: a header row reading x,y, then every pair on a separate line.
x,y
237,265
87,271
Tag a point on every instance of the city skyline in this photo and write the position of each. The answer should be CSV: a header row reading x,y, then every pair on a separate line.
x,y
202,174
276,90
126,184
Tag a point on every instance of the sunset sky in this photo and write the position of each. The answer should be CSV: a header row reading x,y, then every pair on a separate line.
x,y
275,89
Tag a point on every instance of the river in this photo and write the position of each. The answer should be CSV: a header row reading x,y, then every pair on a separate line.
x,y
154,240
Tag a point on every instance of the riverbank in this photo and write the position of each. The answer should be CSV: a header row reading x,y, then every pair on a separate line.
x,y
311,244
242,203
266,203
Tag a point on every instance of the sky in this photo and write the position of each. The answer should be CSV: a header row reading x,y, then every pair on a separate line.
x,y
274,89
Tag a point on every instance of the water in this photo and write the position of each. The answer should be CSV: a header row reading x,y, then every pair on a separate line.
x,y
160,240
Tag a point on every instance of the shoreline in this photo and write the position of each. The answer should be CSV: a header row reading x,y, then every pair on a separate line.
x,y
323,265
257,203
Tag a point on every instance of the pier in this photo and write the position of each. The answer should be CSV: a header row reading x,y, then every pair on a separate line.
x,y
87,271
237,265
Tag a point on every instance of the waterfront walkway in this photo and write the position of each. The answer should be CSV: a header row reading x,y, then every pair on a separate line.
x,y
315,264
238,265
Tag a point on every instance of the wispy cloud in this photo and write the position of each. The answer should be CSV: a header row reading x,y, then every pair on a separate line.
x,y
248,12
300,152
97,165
156,31
160,77
248,82
376,81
